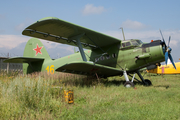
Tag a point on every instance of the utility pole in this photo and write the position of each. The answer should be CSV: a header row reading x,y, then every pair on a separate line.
x,y
122,33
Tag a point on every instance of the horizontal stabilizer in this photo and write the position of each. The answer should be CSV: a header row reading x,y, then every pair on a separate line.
x,y
89,68
22,60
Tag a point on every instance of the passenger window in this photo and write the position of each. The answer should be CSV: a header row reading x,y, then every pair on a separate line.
x,y
128,44
113,55
123,44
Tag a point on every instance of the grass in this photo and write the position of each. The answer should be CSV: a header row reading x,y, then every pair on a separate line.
x,y
40,96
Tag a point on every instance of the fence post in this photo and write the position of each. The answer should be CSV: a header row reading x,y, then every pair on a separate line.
x,y
7,64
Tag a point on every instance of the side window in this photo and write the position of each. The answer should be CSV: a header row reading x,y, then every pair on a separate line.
x,y
114,55
123,44
128,44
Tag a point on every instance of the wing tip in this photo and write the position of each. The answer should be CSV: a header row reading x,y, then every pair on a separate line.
x,y
47,18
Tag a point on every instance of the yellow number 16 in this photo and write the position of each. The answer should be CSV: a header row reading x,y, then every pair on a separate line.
x,y
51,69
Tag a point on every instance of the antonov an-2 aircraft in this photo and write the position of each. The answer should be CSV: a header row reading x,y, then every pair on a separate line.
x,y
105,55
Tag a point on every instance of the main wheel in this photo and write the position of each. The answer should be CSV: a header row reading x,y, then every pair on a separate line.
x,y
128,84
148,82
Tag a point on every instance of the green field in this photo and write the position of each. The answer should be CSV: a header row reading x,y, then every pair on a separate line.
x,y
39,96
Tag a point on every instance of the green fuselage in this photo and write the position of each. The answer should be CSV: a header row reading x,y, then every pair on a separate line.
x,y
131,58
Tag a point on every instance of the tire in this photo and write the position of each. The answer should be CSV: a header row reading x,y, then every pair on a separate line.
x,y
148,82
128,84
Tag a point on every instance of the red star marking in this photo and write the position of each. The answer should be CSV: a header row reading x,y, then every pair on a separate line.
x,y
38,49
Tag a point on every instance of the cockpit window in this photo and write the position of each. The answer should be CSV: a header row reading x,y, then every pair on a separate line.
x,y
135,43
131,43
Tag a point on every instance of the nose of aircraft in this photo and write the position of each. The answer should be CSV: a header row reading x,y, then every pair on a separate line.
x,y
167,50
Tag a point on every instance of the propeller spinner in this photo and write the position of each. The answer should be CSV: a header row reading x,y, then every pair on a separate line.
x,y
167,51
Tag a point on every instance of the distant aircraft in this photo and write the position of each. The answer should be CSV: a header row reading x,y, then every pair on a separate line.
x,y
105,55
166,69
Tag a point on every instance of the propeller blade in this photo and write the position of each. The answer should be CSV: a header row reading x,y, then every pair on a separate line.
x,y
162,37
166,57
169,40
171,59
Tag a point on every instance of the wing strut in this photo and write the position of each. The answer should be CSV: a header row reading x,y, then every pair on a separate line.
x,y
77,38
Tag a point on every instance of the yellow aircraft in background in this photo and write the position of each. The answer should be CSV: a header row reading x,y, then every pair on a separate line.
x,y
166,69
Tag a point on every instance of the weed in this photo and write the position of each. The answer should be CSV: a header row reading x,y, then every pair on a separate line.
x,y
40,96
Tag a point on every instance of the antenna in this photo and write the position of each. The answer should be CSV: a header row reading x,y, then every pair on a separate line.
x,y
122,33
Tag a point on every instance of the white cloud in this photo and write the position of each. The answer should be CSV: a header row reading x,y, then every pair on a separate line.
x,y
11,41
135,25
51,45
91,9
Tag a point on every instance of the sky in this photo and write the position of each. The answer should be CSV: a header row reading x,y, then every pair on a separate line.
x,y
140,19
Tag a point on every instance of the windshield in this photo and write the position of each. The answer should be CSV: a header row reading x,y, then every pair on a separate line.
x,y
140,42
136,42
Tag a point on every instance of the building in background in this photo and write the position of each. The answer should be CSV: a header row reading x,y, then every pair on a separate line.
x,y
9,67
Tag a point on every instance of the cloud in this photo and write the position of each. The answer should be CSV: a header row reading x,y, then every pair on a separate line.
x,y
53,45
135,25
15,44
91,9
11,41
60,50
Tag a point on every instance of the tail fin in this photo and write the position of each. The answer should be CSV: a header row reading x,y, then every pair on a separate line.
x,y
35,55
34,49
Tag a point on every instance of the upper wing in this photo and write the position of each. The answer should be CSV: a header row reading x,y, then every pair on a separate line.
x,y
60,31
88,68
22,60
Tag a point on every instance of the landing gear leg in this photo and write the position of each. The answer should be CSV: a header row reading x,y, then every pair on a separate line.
x,y
127,83
146,81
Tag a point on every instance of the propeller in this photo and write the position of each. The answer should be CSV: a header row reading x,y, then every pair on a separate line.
x,y
167,50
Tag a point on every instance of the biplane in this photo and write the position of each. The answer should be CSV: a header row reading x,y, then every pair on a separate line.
x,y
104,56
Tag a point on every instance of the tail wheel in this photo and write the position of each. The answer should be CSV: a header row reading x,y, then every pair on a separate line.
x,y
128,84
148,82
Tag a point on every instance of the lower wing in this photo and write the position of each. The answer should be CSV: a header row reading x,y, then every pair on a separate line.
x,y
89,68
